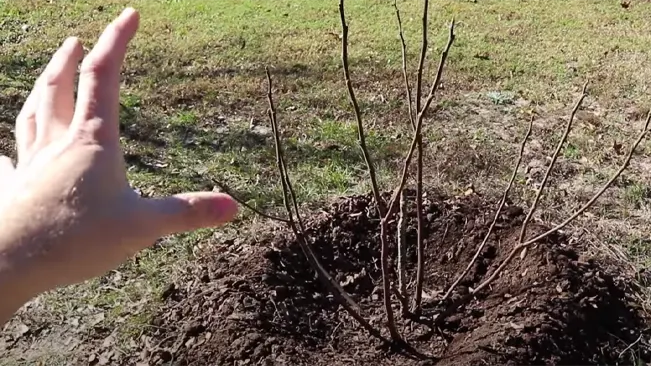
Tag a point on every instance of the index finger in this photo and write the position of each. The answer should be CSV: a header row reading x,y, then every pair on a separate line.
x,y
98,96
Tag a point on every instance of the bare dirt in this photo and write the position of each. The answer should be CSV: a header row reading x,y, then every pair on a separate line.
x,y
259,303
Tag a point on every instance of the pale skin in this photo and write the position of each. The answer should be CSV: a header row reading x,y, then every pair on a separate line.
x,y
67,211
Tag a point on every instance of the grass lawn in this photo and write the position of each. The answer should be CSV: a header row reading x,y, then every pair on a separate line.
x,y
193,110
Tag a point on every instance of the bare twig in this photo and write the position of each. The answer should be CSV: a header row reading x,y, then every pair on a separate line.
x,y
558,227
386,280
497,213
420,249
407,162
402,281
299,231
423,55
402,222
288,190
419,124
631,345
405,75
228,191
398,295
384,255
568,127
358,114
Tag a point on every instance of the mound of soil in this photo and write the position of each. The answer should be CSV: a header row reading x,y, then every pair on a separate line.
x,y
259,303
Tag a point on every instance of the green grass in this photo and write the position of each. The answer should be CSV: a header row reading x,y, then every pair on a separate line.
x,y
636,194
572,151
535,47
194,108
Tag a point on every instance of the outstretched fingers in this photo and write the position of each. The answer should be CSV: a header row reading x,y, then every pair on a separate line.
x,y
56,103
97,108
26,122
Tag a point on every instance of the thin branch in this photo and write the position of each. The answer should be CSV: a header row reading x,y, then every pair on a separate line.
x,y
386,281
288,182
288,190
420,248
402,222
560,226
239,200
631,345
358,114
283,167
420,236
376,192
497,213
288,194
402,257
423,55
419,124
410,103
568,127
299,231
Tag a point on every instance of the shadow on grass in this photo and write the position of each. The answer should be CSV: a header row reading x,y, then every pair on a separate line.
x,y
167,148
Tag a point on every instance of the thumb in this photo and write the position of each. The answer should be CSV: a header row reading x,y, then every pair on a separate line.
x,y
188,211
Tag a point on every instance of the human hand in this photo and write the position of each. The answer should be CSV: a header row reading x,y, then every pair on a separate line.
x,y
66,209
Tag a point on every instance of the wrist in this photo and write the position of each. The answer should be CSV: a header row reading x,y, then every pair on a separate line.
x,y
18,279
15,287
